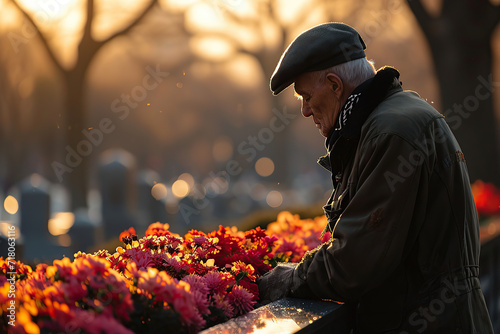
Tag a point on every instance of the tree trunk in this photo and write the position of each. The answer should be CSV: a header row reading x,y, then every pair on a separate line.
x,y
467,102
77,145
460,42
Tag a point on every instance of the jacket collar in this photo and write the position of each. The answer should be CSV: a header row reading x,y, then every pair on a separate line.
x,y
374,91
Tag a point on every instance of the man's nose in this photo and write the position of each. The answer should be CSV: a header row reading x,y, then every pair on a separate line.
x,y
306,109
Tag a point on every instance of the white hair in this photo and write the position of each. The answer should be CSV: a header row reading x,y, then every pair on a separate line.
x,y
354,72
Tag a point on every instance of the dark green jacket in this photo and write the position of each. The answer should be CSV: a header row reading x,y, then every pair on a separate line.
x,y
405,245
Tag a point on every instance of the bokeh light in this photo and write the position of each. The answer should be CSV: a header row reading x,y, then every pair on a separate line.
x,y
11,205
180,188
264,166
61,223
5,229
188,178
159,191
274,199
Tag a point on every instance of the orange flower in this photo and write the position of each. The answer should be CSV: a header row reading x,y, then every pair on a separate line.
x,y
157,229
127,233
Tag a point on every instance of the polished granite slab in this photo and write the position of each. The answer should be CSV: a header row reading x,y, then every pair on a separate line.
x,y
288,315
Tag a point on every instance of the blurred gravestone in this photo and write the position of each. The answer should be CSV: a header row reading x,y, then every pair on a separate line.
x,y
35,213
4,246
151,201
83,232
116,174
189,216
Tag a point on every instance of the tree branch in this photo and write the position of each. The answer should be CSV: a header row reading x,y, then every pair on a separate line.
x,y
420,12
44,40
87,30
125,30
235,18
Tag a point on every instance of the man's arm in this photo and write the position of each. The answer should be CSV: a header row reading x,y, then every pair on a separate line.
x,y
370,236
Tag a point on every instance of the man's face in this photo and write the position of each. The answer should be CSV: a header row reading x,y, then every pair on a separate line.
x,y
320,99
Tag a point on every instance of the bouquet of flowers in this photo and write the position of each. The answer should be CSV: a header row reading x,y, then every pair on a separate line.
x,y
161,282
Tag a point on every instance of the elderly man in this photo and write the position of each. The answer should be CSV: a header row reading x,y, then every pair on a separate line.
x,y
404,250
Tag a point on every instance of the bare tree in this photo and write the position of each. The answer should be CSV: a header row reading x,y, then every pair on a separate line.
x,y
460,39
274,26
74,80
263,20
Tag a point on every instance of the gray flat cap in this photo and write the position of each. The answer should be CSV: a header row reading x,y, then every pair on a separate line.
x,y
318,48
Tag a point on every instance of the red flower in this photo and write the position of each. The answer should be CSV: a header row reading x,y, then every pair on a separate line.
x,y
487,198
255,234
158,229
127,233
218,282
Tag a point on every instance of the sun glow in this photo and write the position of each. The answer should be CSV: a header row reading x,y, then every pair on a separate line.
x,y
63,13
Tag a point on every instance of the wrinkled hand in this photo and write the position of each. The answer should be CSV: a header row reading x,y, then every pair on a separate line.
x,y
275,284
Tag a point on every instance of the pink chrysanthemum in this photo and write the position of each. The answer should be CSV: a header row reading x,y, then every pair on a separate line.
x,y
199,290
223,304
217,282
240,299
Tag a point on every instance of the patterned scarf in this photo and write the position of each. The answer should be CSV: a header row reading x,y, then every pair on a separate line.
x,y
346,110
360,104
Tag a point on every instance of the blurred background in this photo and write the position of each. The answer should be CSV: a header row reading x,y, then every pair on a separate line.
x,y
118,114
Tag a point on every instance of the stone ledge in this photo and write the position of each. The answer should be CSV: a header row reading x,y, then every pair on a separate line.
x,y
287,316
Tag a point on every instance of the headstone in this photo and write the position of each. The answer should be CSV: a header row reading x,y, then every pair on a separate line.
x,y
83,232
35,207
189,216
39,245
3,246
116,175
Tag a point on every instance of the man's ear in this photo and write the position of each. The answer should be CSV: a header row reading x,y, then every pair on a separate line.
x,y
335,84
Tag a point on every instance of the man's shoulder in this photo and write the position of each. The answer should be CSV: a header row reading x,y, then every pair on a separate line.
x,y
404,114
